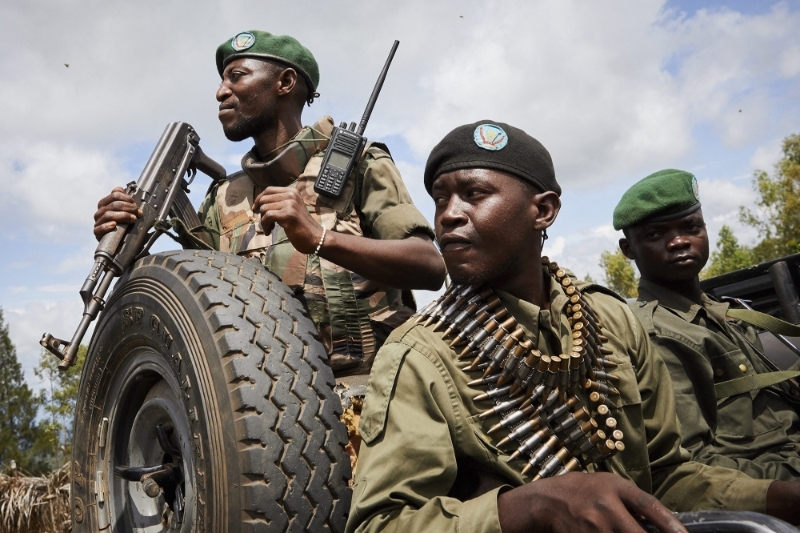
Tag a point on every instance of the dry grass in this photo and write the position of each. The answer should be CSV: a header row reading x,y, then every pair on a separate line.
x,y
35,504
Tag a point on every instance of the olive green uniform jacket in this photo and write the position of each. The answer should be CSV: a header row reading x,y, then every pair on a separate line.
x,y
353,315
757,432
423,443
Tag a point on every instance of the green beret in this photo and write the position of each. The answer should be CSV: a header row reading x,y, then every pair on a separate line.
x,y
664,195
493,145
261,44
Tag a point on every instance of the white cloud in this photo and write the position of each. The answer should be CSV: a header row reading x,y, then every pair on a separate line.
x,y
721,199
610,91
554,247
81,260
51,189
766,155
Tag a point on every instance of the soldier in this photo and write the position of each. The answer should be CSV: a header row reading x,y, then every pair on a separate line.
x,y
353,260
482,411
756,431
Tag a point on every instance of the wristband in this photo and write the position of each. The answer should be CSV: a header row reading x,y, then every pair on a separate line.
x,y
321,240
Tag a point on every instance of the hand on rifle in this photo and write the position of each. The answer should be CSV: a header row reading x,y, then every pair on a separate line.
x,y
116,208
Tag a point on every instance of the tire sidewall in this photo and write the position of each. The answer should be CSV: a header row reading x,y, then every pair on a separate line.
x,y
153,324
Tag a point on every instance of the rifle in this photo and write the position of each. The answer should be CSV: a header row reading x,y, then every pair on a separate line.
x,y
160,192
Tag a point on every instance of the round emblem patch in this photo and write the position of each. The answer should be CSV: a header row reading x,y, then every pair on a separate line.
x,y
243,41
695,189
490,137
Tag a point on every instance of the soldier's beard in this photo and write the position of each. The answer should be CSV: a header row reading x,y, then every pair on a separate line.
x,y
486,276
246,127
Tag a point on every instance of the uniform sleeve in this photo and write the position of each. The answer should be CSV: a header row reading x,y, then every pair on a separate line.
x,y
209,215
407,462
681,484
386,209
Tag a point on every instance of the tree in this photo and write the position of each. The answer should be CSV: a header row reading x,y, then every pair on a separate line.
x,y
18,406
728,256
620,274
59,399
777,216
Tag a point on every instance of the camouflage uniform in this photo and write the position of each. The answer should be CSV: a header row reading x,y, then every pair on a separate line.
x,y
354,315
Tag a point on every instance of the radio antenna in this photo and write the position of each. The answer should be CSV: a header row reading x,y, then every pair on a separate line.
x,y
376,91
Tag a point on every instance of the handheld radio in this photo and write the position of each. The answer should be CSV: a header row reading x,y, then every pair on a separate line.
x,y
346,144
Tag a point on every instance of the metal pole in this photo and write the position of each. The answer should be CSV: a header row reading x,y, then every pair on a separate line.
x,y
786,291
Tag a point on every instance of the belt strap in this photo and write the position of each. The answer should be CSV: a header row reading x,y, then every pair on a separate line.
x,y
751,383
765,321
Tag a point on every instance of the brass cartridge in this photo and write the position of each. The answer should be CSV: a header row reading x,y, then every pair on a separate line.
x,y
531,443
540,454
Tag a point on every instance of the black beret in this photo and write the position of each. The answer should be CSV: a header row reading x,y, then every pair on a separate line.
x,y
493,145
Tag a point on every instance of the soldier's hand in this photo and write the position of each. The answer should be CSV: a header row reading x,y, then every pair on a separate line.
x,y
783,501
283,206
577,502
116,208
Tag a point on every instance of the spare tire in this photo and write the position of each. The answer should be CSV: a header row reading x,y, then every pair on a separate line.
x,y
206,369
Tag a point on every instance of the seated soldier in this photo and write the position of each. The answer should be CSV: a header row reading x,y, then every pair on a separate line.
x,y
484,411
351,260
756,431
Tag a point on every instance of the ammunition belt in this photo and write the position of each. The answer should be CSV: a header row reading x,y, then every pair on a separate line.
x,y
536,394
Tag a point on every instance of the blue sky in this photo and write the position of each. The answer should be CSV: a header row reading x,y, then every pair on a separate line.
x,y
615,90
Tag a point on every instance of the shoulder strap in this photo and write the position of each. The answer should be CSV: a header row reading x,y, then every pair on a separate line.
x,y
366,157
765,321
751,383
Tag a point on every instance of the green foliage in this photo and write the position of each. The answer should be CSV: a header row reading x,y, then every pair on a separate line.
x,y
620,274
18,407
777,216
59,399
729,255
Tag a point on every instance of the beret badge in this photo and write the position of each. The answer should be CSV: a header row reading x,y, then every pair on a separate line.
x,y
243,41
490,137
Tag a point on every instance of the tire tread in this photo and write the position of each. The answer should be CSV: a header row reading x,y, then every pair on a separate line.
x,y
291,455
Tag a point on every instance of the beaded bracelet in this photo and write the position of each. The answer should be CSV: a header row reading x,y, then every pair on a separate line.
x,y
321,240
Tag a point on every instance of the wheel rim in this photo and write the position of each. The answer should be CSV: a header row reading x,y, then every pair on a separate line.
x,y
150,397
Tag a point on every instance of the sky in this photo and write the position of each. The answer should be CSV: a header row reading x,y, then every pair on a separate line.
x,y
615,91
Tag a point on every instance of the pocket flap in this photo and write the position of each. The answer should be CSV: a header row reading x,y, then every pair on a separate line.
x,y
382,379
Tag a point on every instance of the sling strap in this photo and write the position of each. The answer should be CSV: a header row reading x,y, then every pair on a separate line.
x,y
765,321
751,383
758,381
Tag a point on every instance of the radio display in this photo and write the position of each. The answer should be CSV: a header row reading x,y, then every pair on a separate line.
x,y
338,160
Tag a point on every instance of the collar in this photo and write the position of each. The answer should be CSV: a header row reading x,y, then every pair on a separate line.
x,y
285,167
680,305
532,318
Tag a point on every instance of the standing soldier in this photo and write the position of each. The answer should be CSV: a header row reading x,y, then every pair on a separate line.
x,y
756,431
353,260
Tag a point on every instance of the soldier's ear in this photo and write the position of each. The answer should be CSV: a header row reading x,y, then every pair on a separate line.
x,y
625,246
287,81
547,205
